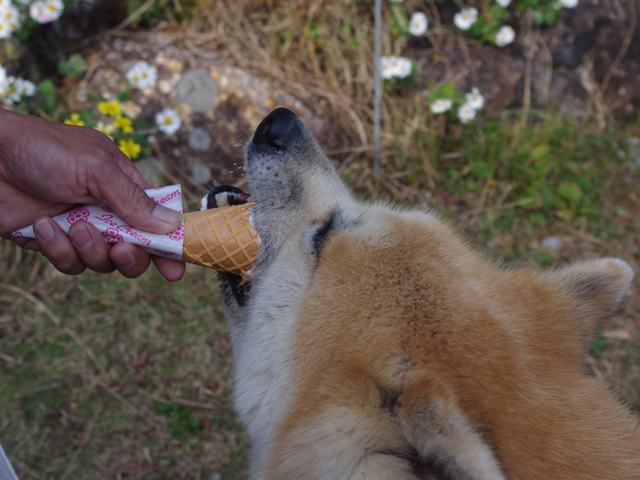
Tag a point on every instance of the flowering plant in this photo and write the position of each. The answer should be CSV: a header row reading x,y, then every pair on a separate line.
x,y
463,106
17,18
490,25
115,118
14,90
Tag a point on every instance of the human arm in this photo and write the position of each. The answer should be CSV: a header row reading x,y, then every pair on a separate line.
x,y
47,168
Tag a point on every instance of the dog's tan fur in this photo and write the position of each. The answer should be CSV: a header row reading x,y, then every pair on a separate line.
x,y
408,356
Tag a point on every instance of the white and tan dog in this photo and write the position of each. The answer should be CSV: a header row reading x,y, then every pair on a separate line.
x,y
373,343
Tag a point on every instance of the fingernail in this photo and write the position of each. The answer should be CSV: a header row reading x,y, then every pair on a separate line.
x,y
166,215
45,230
81,237
125,260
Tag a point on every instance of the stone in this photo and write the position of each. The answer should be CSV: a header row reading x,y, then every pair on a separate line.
x,y
552,244
197,89
199,139
241,102
201,174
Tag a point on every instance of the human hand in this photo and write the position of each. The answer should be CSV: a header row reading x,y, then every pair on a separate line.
x,y
47,168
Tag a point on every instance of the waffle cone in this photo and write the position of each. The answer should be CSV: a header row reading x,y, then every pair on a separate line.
x,y
221,238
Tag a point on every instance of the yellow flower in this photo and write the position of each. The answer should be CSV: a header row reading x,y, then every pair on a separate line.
x,y
130,148
74,120
124,124
110,108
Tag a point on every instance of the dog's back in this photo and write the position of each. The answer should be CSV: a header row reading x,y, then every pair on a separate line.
x,y
375,344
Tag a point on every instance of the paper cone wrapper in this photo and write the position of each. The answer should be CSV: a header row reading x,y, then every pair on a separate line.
x,y
221,238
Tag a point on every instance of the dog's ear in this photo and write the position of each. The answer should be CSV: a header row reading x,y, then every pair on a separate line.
x,y
595,288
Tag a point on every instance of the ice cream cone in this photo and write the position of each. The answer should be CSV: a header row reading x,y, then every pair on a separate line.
x,y
221,238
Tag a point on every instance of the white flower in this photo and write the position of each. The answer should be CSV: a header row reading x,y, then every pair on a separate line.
x,y
505,36
569,3
9,15
142,75
4,93
55,7
466,113
5,28
10,91
504,3
418,24
441,106
38,11
5,4
46,11
25,87
404,67
387,68
465,18
3,75
475,99
168,121
393,66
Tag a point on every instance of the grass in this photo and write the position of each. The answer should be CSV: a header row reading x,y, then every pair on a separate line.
x,y
104,377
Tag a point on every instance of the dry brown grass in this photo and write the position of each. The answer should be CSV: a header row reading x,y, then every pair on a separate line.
x,y
323,53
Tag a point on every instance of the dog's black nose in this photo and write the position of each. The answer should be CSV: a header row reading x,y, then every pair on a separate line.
x,y
278,129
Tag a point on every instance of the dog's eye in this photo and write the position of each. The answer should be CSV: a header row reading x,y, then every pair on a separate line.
x,y
321,234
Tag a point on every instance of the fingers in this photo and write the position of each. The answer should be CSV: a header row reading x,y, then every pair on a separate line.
x,y
26,243
130,260
57,246
172,270
91,247
85,247
128,199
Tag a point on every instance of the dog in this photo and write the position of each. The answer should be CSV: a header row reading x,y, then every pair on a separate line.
x,y
374,343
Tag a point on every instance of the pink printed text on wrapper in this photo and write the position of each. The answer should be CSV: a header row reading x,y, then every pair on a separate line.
x,y
115,230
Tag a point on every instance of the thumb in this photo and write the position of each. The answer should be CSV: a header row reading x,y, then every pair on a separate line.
x,y
129,201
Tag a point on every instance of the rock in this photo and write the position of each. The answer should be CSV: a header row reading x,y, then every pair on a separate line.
x,y
197,89
199,139
201,174
587,39
552,244
242,101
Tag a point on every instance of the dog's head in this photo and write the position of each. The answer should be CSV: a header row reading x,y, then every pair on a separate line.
x,y
394,305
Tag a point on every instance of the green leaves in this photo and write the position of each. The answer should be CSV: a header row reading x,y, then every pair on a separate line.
x,y
570,191
480,169
46,97
73,67
488,23
553,169
446,91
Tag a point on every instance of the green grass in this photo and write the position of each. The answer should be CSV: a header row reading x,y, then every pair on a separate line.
x,y
136,377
